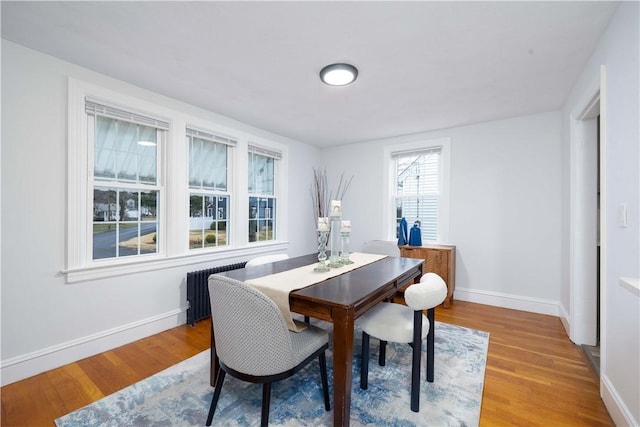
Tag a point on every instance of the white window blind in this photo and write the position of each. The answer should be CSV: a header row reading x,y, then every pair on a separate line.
x,y
256,149
408,153
98,108
202,134
208,159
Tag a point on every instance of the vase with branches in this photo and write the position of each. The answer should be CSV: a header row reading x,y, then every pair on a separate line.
x,y
321,195
321,198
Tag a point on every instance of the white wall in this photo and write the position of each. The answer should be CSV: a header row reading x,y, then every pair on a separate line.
x,y
505,206
46,322
619,52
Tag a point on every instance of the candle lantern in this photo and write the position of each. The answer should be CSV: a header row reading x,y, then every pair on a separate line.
x,y
336,241
323,232
345,232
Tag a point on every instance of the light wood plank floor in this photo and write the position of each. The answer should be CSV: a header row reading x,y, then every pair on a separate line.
x,y
535,376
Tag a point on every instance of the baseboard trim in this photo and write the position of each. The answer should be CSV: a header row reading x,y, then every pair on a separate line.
x,y
25,366
564,318
515,302
618,411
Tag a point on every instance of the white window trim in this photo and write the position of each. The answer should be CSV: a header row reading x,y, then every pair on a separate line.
x,y
79,201
281,171
173,250
231,191
388,190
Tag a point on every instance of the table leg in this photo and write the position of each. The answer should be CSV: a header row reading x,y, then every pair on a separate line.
x,y
343,330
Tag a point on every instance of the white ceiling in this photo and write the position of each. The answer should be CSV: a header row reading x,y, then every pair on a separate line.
x,y
423,65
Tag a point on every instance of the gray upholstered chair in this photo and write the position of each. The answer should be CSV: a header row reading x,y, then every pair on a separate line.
x,y
381,247
253,343
391,322
266,259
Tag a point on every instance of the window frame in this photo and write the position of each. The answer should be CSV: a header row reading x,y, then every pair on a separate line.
x,y
101,183
230,192
276,155
173,248
389,190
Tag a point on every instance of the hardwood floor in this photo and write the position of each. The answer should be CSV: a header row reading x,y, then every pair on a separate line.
x,y
535,376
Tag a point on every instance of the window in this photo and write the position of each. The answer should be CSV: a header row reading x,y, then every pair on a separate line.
x,y
418,190
124,182
209,197
153,187
419,187
262,199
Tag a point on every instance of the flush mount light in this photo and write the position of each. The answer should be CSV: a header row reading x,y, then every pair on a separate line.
x,y
338,74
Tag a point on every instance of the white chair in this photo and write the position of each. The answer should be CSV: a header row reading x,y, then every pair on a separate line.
x,y
391,322
381,247
266,259
253,343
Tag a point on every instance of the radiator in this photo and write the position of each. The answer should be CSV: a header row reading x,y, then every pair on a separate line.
x,y
198,303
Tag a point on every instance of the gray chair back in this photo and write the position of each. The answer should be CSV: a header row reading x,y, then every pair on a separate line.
x,y
251,335
381,247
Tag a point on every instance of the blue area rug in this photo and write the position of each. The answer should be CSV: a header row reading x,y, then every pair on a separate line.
x,y
181,395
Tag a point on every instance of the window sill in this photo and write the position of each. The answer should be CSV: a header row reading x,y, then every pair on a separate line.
x,y
84,274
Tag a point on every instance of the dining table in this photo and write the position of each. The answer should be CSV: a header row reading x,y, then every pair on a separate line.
x,y
339,300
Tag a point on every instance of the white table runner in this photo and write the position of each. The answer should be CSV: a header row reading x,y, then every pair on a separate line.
x,y
278,286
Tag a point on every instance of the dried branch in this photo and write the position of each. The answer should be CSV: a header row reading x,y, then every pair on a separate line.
x,y
321,196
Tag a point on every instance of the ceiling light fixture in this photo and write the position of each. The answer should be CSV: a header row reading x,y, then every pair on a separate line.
x,y
338,74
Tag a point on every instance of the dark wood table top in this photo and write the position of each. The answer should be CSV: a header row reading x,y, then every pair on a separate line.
x,y
353,288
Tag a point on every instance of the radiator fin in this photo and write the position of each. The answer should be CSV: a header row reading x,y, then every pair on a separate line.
x,y
198,304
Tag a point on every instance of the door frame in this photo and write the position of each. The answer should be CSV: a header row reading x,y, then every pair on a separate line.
x,y
583,222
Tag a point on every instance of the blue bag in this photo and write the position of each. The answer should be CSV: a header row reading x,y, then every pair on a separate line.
x,y
415,236
403,237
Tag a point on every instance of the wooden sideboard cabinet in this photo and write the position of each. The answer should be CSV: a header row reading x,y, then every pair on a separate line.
x,y
439,259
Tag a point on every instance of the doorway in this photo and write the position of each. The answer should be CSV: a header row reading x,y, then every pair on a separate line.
x,y
585,224
593,351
